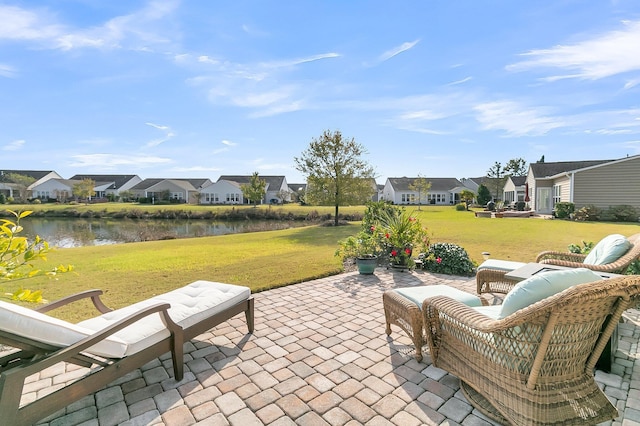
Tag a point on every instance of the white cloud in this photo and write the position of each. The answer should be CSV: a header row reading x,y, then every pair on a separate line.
x,y
397,50
135,31
228,143
168,134
14,145
605,55
7,71
112,161
464,80
515,119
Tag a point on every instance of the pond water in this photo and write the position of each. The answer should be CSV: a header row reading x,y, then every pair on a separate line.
x,y
78,232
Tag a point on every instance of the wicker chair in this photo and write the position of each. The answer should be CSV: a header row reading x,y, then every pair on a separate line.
x,y
494,281
535,366
574,260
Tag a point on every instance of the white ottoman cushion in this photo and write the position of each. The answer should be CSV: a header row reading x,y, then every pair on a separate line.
x,y
500,265
419,294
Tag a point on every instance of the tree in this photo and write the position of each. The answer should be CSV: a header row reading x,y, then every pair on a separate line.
x,y
335,171
516,167
467,197
484,196
421,186
84,189
496,174
22,182
254,190
284,195
541,160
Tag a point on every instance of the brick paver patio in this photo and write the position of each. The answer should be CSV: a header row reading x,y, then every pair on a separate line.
x,y
319,356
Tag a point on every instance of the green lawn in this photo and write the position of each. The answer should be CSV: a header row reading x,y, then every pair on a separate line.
x,y
263,260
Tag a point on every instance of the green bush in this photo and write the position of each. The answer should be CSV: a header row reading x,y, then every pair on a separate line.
x,y
563,210
621,213
520,205
461,207
588,213
3,198
447,258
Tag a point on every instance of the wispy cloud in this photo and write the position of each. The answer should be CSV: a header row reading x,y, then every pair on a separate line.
x,y
228,143
397,50
137,30
464,80
516,119
605,55
14,145
168,134
105,161
7,71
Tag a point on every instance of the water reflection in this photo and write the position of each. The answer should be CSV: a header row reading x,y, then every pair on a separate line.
x,y
66,233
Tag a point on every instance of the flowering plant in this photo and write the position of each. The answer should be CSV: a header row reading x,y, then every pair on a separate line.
x,y
402,233
363,245
447,258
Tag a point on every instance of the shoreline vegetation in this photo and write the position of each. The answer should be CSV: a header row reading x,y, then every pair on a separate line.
x,y
264,260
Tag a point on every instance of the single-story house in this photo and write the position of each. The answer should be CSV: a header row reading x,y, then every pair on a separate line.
x,y
181,190
442,191
15,190
62,189
118,183
601,183
222,192
514,189
277,190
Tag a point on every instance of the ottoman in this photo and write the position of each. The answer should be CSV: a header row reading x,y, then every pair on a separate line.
x,y
403,307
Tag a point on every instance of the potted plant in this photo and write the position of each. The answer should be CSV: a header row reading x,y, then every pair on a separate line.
x,y
364,247
402,235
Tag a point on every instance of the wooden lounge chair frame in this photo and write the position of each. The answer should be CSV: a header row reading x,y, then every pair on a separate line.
x,y
535,366
34,356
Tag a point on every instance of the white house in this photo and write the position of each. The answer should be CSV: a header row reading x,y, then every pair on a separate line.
x,y
179,190
11,189
514,189
277,189
222,192
442,191
117,183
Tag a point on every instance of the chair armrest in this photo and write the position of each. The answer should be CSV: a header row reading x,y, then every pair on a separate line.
x,y
81,345
560,255
93,294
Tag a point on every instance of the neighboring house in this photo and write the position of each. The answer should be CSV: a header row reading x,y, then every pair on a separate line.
x,y
297,191
181,190
62,189
602,183
11,189
222,192
277,190
514,189
442,191
117,183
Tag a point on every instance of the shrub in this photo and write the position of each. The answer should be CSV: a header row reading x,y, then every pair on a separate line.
x,y
520,205
634,268
621,213
588,213
447,258
461,207
563,210
3,198
584,249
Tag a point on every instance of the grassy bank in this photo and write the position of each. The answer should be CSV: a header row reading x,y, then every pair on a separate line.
x,y
135,271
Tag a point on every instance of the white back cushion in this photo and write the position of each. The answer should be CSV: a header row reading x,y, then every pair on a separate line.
x,y
608,250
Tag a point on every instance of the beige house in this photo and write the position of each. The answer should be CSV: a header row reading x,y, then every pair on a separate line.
x,y
602,183
442,191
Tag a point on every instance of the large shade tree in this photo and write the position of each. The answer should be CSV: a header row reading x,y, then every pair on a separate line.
x,y
335,171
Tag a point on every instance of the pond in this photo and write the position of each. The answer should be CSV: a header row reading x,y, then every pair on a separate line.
x,y
76,232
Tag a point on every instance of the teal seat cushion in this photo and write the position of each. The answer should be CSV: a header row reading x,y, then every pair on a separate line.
x,y
542,285
608,250
500,265
418,294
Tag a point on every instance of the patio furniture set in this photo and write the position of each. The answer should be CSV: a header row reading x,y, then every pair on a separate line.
x,y
529,360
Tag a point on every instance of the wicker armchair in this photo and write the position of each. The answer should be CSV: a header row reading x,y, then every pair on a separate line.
x,y
574,260
535,366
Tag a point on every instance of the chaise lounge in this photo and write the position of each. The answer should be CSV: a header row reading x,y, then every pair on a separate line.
x,y
111,344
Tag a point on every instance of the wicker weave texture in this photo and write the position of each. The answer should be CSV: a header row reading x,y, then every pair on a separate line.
x,y
574,260
536,366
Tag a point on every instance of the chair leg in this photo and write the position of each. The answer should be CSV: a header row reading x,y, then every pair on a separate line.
x,y
249,315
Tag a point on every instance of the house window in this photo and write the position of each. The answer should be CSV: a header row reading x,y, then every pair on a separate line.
x,y
408,198
557,191
233,198
177,195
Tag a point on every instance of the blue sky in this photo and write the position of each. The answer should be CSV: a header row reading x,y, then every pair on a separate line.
x,y
205,88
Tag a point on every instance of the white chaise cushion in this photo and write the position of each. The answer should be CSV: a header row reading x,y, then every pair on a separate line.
x,y
608,250
189,305
53,331
500,265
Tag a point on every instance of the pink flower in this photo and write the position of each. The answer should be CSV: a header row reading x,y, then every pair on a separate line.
x,y
373,228
439,260
407,251
394,253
